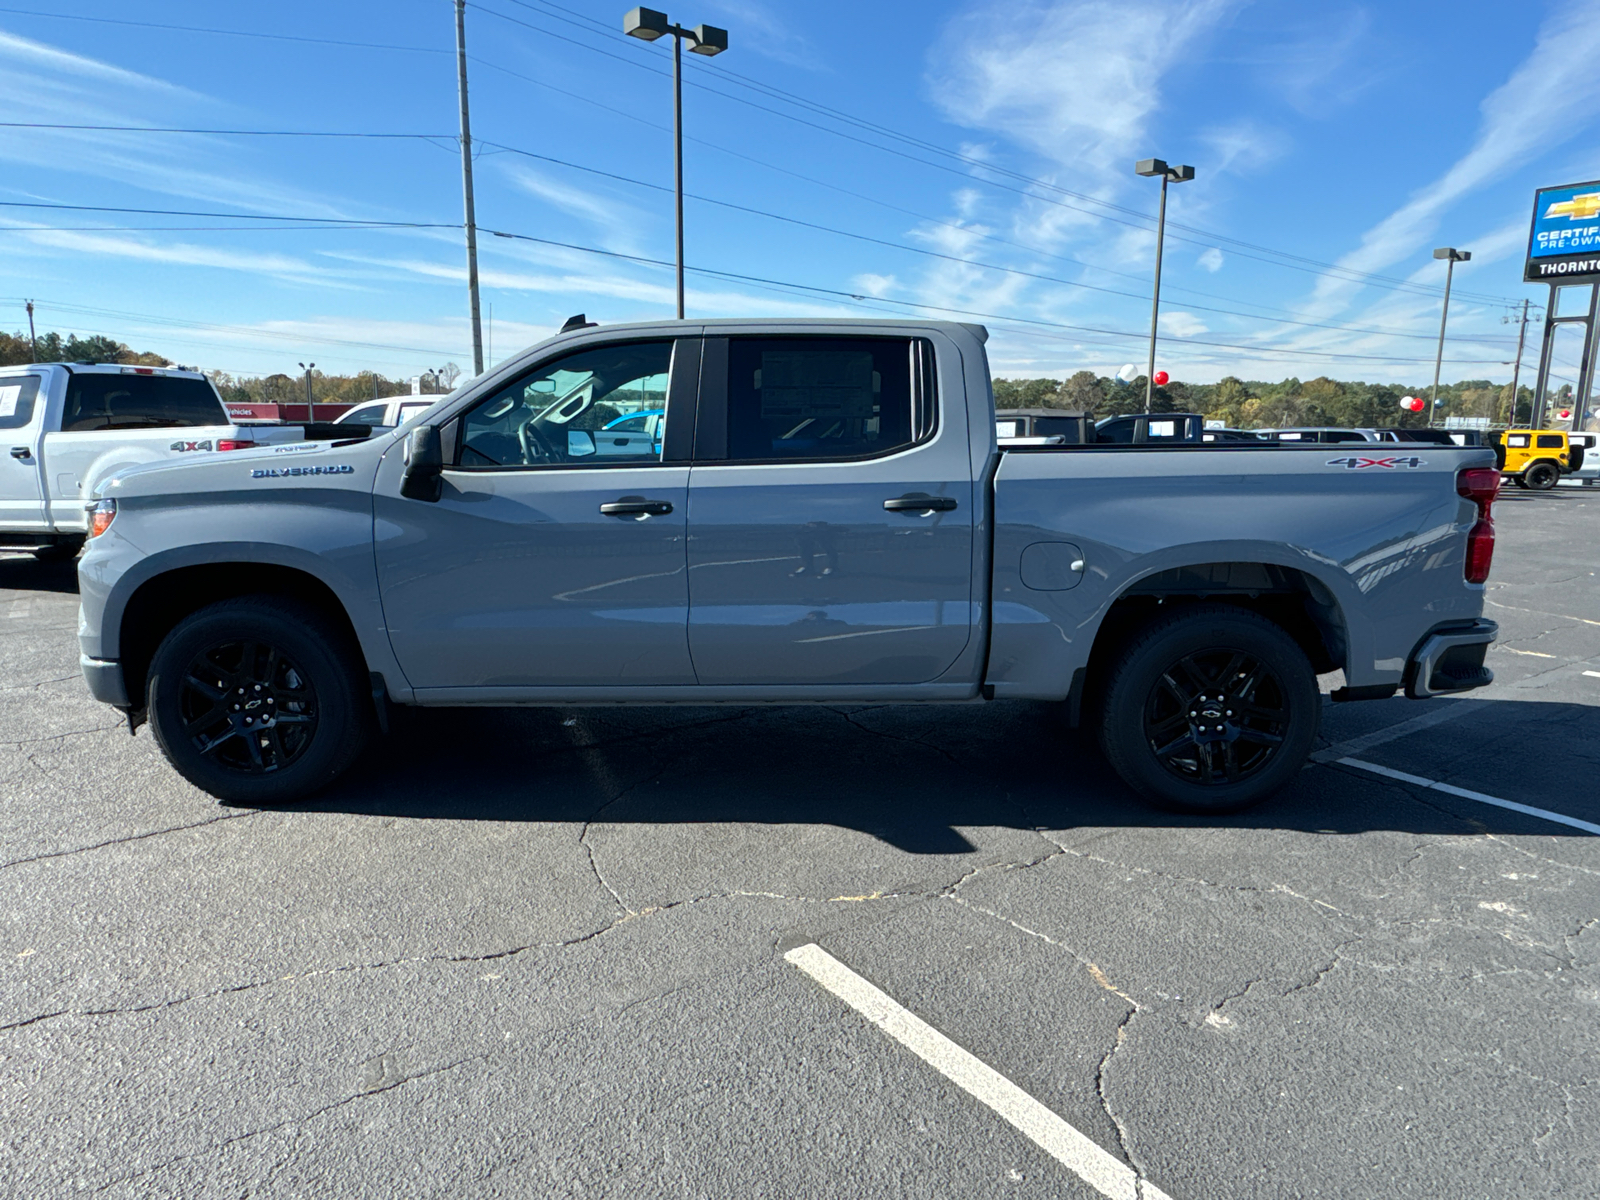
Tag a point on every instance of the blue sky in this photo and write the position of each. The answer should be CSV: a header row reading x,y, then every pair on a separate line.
x,y
980,154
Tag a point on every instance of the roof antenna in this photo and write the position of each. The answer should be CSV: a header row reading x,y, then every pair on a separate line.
x,y
578,322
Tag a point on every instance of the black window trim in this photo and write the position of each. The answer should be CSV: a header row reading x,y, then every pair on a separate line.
x,y
711,417
681,387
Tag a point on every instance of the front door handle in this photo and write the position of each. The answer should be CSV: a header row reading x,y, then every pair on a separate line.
x,y
635,506
919,502
20,452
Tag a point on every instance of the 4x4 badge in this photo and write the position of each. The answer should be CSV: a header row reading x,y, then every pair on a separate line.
x,y
180,447
1388,463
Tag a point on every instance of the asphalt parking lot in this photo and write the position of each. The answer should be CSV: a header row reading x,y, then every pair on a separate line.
x,y
542,953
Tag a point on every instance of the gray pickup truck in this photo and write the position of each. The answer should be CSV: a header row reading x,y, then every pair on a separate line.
x,y
820,514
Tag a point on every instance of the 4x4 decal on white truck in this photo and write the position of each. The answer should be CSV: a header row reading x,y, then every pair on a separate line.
x,y
1388,462
180,446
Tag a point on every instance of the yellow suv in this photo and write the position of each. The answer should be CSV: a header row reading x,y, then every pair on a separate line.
x,y
1536,458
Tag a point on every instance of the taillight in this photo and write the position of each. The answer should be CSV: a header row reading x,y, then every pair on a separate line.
x,y
1480,485
236,444
101,514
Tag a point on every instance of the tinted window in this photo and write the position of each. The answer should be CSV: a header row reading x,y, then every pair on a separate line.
x,y
103,401
1119,429
1549,441
557,415
1341,435
823,397
367,414
17,395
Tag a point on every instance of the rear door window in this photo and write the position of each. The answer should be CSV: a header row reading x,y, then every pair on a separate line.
x,y
367,414
17,395
1517,440
1549,441
98,400
822,398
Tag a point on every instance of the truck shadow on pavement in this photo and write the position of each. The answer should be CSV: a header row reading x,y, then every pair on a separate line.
x,y
915,777
23,573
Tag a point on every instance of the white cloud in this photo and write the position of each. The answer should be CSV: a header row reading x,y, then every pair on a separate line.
x,y
616,222
1548,99
1076,81
1210,259
23,50
1182,324
875,285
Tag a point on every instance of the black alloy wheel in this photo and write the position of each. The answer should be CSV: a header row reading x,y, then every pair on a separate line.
x,y
1209,709
259,699
1542,476
1216,717
247,707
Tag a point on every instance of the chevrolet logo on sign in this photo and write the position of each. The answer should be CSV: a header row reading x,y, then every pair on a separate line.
x,y
1579,208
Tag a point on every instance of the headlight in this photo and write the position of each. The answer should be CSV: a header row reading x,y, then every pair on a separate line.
x,y
101,514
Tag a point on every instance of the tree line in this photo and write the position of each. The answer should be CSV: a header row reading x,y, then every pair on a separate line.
x,y
1256,404
18,349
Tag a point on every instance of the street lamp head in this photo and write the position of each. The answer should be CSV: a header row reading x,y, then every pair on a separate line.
x,y
1150,166
645,23
1181,174
1453,254
709,40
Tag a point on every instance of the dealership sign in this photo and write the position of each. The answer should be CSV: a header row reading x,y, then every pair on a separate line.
x,y
1564,245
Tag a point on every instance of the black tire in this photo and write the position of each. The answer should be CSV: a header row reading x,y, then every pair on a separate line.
x,y
1542,476
278,659
1256,682
60,551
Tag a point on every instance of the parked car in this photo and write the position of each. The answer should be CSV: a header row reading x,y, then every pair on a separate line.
x,y
1043,427
1584,458
1321,435
1536,458
70,425
1145,428
828,519
383,415
1231,435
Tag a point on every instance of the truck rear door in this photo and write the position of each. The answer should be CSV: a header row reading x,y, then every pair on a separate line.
x,y
21,495
830,514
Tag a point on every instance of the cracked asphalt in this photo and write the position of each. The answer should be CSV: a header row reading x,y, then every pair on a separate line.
x,y
539,953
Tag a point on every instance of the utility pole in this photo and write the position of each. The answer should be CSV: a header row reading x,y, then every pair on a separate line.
x,y
311,408
1516,370
33,339
466,186
1454,256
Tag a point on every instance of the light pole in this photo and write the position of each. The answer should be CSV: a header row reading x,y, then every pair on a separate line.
x,y
1178,174
311,408
1454,256
647,24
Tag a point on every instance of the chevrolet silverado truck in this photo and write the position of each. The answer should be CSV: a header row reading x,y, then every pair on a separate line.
x,y
67,426
824,516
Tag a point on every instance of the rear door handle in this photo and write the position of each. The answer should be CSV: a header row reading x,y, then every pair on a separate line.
x,y
919,502
636,506
21,452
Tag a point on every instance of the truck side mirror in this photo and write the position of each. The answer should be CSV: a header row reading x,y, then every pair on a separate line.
x,y
423,479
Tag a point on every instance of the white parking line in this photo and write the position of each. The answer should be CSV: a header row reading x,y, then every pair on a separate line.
x,y
1444,711
1104,1172
1543,814
1595,674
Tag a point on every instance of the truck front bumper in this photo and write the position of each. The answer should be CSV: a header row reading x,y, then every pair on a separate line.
x,y
104,677
1450,660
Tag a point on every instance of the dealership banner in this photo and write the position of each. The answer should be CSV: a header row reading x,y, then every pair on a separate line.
x,y
1565,243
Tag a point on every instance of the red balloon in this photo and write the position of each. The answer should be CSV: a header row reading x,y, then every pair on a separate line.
x,y
1160,377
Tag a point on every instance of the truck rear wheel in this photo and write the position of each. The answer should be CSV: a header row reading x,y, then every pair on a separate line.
x,y
258,700
1542,476
1210,710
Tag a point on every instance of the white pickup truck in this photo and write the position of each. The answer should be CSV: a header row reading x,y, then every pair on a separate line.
x,y
67,426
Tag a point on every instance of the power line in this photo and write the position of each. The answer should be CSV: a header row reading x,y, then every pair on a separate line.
x,y
332,222
274,133
276,37
1119,333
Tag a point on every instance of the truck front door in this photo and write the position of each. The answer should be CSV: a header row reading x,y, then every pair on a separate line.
x,y
830,514
555,554
21,494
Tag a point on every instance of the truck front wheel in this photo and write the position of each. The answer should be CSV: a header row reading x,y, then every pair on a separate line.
x,y
257,700
1210,710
